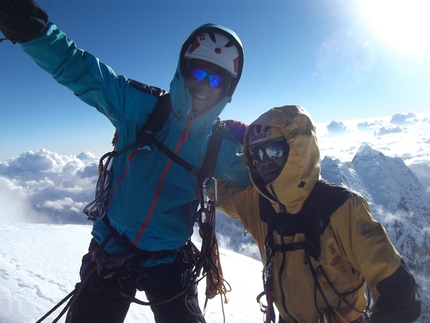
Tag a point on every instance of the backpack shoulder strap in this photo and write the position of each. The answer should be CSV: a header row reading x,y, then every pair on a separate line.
x,y
155,122
218,133
146,135
156,119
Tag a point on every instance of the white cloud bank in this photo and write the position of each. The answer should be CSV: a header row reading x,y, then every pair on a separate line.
x,y
43,186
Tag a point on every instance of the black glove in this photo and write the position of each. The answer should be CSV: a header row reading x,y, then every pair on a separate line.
x,y
21,20
237,129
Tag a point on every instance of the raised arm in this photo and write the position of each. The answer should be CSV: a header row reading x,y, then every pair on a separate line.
x,y
95,83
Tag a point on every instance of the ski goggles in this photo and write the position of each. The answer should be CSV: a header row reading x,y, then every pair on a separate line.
x,y
274,150
199,74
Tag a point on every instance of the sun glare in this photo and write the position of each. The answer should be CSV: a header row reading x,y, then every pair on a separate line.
x,y
403,25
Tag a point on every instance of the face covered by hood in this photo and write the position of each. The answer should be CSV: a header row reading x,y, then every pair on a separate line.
x,y
302,168
222,48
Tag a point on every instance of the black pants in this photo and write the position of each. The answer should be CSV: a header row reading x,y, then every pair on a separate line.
x,y
100,301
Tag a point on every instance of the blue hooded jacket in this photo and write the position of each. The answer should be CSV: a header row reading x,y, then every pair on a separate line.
x,y
152,201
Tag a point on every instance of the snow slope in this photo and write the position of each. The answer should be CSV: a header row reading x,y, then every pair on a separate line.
x,y
39,266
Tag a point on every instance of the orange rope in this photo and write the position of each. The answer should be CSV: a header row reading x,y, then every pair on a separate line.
x,y
215,282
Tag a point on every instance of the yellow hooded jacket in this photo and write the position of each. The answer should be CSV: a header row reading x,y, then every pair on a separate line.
x,y
354,246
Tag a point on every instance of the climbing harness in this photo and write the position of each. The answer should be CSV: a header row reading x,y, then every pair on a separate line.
x,y
115,266
204,263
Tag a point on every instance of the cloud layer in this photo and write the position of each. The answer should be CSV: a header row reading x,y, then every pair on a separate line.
x,y
44,186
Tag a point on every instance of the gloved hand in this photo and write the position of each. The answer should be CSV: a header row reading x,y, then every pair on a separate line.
x,y
237,129
21,20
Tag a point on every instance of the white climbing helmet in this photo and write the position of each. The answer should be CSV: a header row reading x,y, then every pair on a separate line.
x,y
217,49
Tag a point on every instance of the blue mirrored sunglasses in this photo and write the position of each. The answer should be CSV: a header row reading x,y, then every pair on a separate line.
x,y
273,151
215,80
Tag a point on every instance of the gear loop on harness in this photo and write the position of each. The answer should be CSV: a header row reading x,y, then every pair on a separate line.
x,y
108,262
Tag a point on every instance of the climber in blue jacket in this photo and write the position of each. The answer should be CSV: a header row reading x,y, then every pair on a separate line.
x,y
151,201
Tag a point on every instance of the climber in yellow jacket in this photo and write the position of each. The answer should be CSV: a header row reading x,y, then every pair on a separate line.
x,y
319,243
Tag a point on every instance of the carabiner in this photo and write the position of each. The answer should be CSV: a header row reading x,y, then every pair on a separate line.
x,y
205,183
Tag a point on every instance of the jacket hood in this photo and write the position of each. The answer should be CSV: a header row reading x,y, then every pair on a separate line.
x,y
302,169
179,93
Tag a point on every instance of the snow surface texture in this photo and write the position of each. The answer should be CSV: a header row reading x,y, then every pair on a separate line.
x,y
39,266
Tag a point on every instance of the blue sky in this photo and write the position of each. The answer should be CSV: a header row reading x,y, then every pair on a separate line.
x,y
339,59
